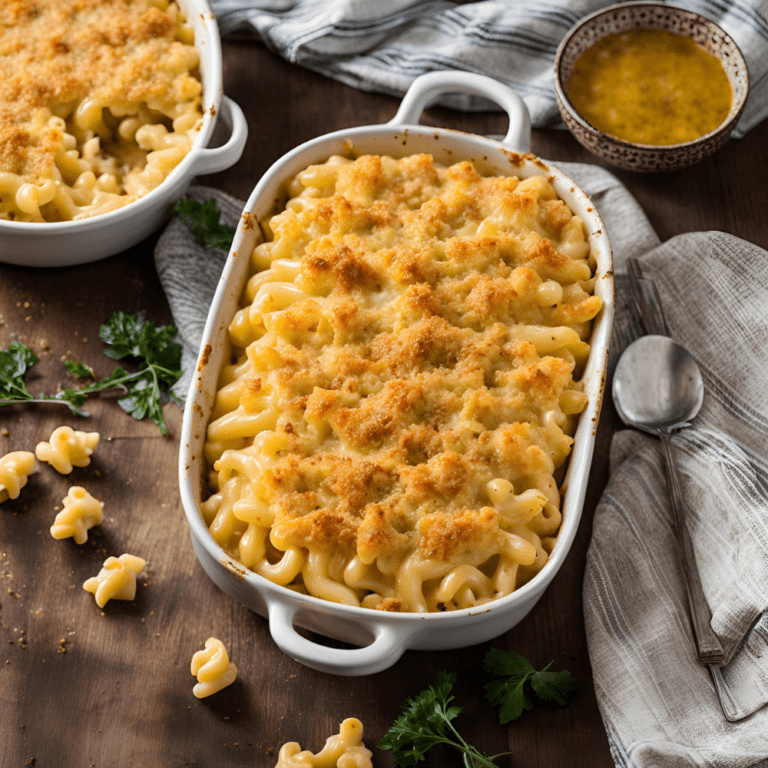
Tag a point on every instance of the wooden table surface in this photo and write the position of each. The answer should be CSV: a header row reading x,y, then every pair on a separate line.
x,y
121,693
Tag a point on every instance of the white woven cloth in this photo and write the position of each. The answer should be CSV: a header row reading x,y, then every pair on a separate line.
x,y
382,45
658,704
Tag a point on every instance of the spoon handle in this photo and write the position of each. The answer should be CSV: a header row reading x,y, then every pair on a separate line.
x,y
710,651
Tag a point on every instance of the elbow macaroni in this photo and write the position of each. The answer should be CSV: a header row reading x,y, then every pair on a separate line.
x,y
67,449
15,467
344,750
116,580
81,512
213,669
404,386
99,101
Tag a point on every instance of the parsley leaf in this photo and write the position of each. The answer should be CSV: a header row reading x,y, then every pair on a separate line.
x,y
127,336
204,219
509,694
14,364
426,721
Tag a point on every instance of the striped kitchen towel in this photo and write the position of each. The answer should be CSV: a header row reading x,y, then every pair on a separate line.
x,y
658,703
383,45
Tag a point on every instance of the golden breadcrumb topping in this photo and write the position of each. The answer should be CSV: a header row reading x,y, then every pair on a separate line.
x,y
56,53
437,319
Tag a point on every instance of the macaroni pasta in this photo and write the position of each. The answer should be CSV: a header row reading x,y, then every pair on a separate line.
x,y
344,750
99,101
68,449
404,385
15,468
81,512
213,669
116,580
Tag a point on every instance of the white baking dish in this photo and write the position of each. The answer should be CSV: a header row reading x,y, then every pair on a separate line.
x,y
385,636
59,244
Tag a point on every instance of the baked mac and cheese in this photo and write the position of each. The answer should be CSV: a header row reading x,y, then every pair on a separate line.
x,y
99,101
404,385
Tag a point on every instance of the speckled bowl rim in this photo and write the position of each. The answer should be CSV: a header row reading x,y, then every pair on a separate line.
x,y
737,107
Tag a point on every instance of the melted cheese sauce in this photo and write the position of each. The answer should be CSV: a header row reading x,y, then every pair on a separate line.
x,y
650,86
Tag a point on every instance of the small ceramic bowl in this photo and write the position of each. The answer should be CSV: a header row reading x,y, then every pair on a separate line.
x,y
620,18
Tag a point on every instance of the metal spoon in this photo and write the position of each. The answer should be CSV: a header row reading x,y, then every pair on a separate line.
x,y
657,387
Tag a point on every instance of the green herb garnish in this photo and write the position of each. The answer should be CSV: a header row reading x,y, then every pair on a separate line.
x,y
127,336
14,364
509,694
427,721
204,219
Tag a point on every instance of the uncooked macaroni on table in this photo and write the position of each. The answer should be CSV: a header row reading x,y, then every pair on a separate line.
x,y
67,448
212,668
15,468
404,385
344,750
80,512
99,101
116,580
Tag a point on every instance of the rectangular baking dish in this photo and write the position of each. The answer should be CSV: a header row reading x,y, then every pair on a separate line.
x,y
382,636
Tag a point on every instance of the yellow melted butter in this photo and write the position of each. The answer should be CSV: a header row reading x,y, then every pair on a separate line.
x,y
650,86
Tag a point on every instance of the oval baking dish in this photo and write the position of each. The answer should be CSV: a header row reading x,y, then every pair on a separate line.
x,y
384,636
65,243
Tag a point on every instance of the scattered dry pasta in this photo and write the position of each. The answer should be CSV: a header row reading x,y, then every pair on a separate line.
x,y
67,449
213,669
404,385
344,750
99,101
80,513
15,468
116,580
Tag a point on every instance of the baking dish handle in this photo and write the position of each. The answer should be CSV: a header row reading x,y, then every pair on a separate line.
x,y
387,647
213,160
427,87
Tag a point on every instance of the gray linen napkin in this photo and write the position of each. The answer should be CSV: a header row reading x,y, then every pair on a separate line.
x,y
658,704
382,45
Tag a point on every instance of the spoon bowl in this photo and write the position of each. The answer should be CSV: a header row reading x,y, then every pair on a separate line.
x,y
657,385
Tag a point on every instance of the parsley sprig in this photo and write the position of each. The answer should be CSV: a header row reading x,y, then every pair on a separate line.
x,y
130,337
509,693
14,364
204,219
427,719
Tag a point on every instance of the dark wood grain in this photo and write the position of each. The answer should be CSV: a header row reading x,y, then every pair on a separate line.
x,y
121,694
